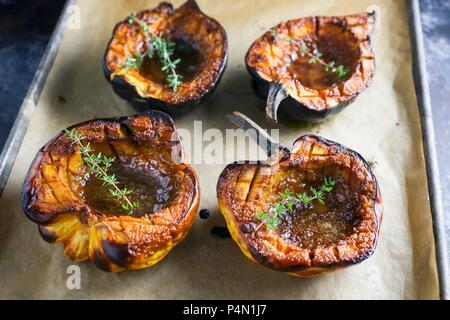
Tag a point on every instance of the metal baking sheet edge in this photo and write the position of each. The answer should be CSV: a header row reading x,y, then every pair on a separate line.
x,y
429,145
19,128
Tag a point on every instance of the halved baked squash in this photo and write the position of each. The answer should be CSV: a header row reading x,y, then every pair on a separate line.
x,y
314,238
313,67
72,206
200,44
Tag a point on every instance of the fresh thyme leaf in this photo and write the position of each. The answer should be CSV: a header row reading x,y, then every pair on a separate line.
x,y
288,39
272,222
318,194
320,199
132,18
130,63
290,203
174,80
175,62
144,27
114,193
286,206
98,164
126,191
287,193
279,209
303,48
163,47
306,199
315,57
341,71
109,179
260,216
139,58
330,66
150,53
328,184
69,132
75,136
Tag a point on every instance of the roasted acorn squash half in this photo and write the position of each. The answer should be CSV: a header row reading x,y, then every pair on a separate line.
x,y
313,67
311,239
200,44
71,206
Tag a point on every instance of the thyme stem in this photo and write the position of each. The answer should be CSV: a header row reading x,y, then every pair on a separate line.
x,y
103,172
315,57
163,47
264,221
340,70
93,162
272,219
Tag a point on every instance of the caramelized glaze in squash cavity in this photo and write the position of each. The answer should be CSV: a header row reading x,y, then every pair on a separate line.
x,y
200,43
310,92
313,238
316,224
73,207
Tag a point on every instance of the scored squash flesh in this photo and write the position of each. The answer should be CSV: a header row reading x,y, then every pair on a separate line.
x,y
311,91
313,238
71,206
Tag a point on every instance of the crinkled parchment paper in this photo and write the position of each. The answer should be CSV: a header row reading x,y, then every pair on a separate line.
x,y
382,124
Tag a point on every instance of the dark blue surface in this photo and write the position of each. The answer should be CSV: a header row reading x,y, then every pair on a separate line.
x,y
26,26
435,16
25,29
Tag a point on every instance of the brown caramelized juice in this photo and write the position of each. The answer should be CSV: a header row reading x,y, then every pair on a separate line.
x,y
310,226
314,75
152,187
191,63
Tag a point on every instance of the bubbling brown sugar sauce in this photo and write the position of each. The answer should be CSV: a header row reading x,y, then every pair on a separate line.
x,y
153,188
191,63
314,225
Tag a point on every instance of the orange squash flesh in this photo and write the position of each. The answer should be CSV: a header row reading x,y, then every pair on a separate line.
x,y
313,93
72,207
200,43
312,240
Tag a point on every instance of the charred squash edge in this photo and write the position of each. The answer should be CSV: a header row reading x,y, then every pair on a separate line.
x,y
109,255
128,92
291,106
302,270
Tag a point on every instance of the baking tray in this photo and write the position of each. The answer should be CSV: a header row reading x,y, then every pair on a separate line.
x,y
429,145
15,138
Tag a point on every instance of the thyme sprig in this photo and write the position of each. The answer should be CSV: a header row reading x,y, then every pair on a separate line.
x,y
289,201
315,56
98,164
132,63
156,44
